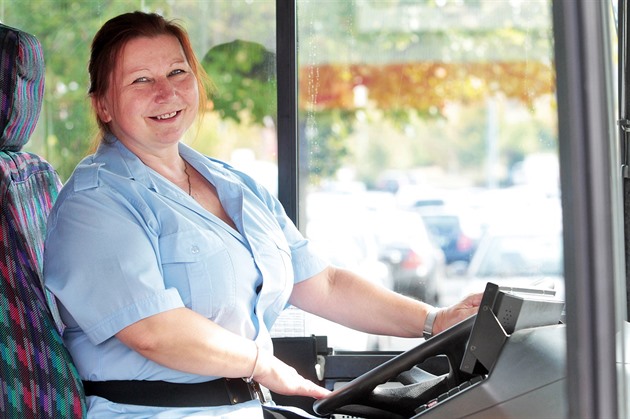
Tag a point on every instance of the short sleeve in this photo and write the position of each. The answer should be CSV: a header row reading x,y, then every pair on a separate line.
x,y
101,262
307,262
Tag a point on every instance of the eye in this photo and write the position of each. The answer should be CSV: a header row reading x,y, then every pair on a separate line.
x,y
141,80
177,72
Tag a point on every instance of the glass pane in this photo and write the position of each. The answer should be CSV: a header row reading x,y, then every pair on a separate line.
x,y
429,146
235,49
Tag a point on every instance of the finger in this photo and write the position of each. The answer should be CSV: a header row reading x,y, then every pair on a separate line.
x,y
315,391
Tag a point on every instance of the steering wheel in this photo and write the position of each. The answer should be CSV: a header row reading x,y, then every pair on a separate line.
x,y
450,342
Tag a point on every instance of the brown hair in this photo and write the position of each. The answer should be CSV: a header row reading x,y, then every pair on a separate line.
x,y
110,40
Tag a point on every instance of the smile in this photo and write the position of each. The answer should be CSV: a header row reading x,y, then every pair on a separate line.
x,y
166,115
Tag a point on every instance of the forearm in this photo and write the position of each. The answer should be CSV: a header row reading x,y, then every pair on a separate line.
x,y
183,340
344,297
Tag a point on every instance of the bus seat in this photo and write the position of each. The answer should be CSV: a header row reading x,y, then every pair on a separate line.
x,y
37,376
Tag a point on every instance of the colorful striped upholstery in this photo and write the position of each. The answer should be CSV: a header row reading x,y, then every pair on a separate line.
x,y
22,78
37,376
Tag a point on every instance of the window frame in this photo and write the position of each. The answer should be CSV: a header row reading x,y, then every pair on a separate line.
x,y
589,193
287,130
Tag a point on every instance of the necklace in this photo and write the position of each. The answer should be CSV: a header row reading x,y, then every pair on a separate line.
x,y
187,178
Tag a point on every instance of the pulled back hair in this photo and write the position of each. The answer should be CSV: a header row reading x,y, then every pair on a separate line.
x,y
112,37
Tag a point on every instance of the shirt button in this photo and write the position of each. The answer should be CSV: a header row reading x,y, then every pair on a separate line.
x,y
194,250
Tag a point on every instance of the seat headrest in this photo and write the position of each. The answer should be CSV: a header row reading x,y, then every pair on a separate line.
x,y
21,86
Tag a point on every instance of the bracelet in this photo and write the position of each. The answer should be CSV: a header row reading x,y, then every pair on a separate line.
x,y
428,322
251,376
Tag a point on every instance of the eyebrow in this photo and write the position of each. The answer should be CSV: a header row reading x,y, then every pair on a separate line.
x,y
173,63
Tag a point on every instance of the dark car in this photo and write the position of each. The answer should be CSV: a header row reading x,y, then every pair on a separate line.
x,y
416,265
446,226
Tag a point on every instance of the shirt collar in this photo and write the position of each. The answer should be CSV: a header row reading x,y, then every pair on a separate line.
x,y
120,160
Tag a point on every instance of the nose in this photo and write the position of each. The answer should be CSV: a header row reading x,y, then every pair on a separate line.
x,y
164,89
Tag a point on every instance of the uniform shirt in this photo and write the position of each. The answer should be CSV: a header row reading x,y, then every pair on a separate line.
x,y
124,243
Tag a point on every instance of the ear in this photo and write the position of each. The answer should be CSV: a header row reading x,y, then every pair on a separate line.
x,y
101,109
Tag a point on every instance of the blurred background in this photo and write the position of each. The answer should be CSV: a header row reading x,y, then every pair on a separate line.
x,y
428,153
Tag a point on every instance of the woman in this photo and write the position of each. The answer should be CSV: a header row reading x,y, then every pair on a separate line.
x,y
170,267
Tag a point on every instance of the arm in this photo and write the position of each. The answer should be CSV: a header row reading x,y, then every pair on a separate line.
x,y
184,340
338,295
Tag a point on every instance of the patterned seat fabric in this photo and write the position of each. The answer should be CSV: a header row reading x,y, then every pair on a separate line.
x,y
37,376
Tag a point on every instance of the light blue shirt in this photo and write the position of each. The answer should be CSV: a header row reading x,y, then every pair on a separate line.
x,y
124,243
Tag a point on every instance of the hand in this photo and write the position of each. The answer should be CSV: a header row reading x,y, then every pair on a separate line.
x,y
454,314
281,378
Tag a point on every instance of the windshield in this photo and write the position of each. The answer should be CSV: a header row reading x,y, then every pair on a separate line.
x,y
519,256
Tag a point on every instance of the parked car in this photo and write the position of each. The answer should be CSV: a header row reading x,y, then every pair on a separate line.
x,y
417,266
521,257
447,228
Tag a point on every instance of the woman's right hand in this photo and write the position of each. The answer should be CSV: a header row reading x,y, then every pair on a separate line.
x,y
281,378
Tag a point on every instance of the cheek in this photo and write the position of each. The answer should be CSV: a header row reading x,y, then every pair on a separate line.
x,y
125,115
189,89
132,104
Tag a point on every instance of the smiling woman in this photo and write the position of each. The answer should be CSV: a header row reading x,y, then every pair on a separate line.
x,y
176,288
149,96
179,299
463,113
152,98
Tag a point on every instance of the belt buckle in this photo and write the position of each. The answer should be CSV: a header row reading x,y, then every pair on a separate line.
x,y
259,392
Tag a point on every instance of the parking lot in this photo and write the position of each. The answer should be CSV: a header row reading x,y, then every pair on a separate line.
x,y
355,240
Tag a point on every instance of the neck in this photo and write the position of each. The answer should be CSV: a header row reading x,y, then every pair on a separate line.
x,y
187,178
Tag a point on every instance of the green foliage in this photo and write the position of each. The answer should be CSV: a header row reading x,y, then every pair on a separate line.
x,y
403,133
244,74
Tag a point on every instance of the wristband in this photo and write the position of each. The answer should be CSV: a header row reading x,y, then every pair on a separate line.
x,y
251,376
428,322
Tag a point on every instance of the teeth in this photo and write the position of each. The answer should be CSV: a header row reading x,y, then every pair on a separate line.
x,y
167,115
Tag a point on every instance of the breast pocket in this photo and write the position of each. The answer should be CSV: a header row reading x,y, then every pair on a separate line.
x,y
199,266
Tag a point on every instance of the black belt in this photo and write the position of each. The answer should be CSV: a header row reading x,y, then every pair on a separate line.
x,y
223,391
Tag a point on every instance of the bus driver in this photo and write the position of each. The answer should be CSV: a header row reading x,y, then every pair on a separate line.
x,y
170,267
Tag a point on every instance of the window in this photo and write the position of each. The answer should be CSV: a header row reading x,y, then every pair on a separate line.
x,y
441,110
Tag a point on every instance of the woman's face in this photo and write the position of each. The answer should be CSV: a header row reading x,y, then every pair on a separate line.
x,y
152,97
